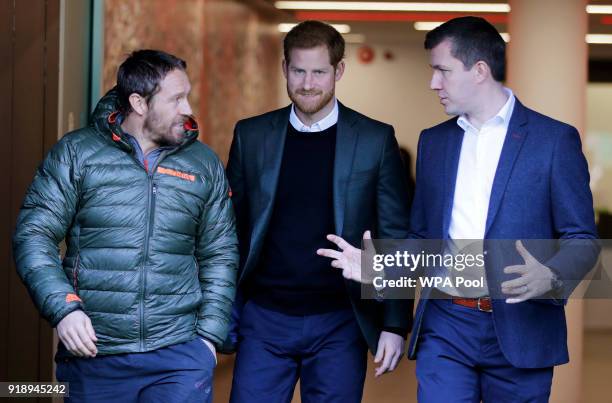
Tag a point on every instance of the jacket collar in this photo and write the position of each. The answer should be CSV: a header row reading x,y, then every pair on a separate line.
x,y
106,118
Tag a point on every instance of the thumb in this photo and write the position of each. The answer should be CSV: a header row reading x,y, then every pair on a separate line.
x,y
368,245
523,251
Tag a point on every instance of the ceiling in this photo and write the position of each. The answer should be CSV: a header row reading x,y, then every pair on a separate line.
x,y
404,32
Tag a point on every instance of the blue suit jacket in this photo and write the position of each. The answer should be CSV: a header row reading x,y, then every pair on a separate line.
x,y
540,191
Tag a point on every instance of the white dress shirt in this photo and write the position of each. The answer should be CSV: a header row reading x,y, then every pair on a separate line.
x,y
480,152
323,124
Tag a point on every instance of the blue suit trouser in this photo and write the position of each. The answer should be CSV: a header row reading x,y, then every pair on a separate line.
x,y
459,360
326,352
178,373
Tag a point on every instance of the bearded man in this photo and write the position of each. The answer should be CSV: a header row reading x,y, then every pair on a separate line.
x,y
144,294
299,174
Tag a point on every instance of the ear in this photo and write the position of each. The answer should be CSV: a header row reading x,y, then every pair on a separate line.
x,y
481,70
138,104
339,71
285,67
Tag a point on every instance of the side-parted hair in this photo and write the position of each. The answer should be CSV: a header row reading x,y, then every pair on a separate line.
x,y
473,39
310,34
142,72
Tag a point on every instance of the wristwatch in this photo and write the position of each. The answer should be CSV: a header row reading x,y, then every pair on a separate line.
x,y
556,284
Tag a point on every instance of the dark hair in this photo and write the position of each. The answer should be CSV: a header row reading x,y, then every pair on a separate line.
x,y
472,39
310,34
142,72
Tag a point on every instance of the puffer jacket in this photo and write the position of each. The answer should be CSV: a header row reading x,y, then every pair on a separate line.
x,y
151,256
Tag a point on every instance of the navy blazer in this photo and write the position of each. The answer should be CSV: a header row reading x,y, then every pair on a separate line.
x,y
540,191
369,193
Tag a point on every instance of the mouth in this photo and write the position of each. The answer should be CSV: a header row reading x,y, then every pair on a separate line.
x,y
309,95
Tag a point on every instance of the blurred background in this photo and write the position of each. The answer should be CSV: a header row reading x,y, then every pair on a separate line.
x,y
58,57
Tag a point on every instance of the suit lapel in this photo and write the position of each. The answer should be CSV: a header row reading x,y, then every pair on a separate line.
x,y
454,139
346,140
515,137
270,157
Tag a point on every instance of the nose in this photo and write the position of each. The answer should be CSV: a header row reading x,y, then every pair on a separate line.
x,y
434,83
308,81
186,108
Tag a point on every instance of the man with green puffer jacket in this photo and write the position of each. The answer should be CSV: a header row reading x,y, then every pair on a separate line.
x,y
144,293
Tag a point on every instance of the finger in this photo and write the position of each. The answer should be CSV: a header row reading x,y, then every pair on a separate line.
x,y
81,346
515,291
334,254
90,330
368,245
516,300
75,343
380,352
337,263
520,269
517,282
67,341
395,360
520,298
86,340
385,364
523,251
341,243
79,343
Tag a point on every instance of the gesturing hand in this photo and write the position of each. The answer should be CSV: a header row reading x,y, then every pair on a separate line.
x,y
535,278
77,334
348,258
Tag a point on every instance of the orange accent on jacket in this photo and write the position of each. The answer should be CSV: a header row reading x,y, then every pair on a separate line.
x,y
178,174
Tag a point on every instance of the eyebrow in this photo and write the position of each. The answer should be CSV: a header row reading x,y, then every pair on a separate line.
x,y
181,93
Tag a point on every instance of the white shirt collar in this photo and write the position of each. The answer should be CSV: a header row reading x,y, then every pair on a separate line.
x,y
502,117
323,124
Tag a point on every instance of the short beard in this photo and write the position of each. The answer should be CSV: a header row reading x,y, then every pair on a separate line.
x,y
309,110
162,136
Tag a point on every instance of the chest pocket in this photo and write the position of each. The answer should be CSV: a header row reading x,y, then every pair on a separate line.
x,y
182,195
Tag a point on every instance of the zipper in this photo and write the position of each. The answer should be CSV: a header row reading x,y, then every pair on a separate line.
x,y
151,198
75,274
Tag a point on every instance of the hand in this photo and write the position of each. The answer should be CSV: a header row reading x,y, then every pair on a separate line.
x,y
535,278
211,347
77,334
389,351
348,258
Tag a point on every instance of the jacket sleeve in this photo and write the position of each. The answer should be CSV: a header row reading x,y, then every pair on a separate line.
x,y
237,182
46,214
572,213
393,213
217,256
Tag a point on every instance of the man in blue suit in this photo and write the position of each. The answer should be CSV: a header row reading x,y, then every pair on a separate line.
x,y
495,171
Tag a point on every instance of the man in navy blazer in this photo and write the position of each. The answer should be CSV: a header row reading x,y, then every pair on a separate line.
x,y
298,175
496,171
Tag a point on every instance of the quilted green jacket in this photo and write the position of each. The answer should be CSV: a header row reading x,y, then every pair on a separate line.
x,y
151,256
